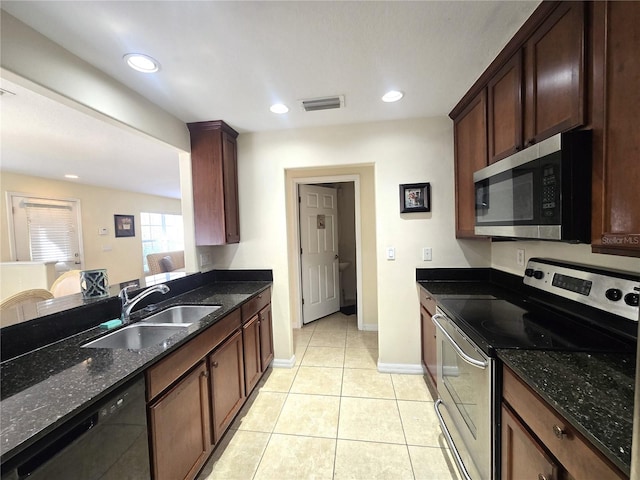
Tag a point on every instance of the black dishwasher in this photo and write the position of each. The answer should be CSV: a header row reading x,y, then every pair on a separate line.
x,y
107,442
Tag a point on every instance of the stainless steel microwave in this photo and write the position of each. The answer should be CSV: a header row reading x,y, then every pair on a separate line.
x,y
542,192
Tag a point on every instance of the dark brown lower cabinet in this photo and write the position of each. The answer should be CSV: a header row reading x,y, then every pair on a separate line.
x,y
195,392
266,338
251,344
531,428
429,355
180,427
522,455
226,365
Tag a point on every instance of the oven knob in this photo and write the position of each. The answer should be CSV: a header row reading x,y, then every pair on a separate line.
x,y
632,299
613,294
538,274
529,272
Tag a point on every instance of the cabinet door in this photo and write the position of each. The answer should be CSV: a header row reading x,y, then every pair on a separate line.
x,y
226,365
251,343
215,183
230,173
555,73
266,338
616,196
181,428
522,455
505,120
429,355
470,136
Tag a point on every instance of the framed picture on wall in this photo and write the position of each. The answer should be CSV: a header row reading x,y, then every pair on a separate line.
x,y
415,197
124,225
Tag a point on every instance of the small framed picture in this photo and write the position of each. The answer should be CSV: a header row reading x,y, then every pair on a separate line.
x,y
415,197
125,226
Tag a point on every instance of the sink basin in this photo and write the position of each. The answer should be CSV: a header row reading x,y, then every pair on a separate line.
x,y
184,314
137,336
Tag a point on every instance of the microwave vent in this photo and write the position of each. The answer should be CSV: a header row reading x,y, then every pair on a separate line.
x,y
323,103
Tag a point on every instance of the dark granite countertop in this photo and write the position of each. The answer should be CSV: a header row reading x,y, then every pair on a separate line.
x,y
44,388
593,392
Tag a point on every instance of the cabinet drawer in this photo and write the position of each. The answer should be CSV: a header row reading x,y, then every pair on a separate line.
x,y
169,369
254,305
427,301
571,449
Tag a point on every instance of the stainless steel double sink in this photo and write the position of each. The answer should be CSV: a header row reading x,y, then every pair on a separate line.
x,y
155,329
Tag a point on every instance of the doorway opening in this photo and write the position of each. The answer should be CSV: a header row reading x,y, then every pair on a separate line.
x,y
327,249
348,292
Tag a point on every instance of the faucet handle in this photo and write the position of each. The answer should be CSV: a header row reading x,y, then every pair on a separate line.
x,y
124,293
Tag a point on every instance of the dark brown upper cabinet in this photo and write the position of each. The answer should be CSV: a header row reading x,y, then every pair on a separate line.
x,y
555,74
505,110
616,135
214,175
470,144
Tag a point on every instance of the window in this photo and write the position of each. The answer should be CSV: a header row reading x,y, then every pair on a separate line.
x,y
161,232
46,230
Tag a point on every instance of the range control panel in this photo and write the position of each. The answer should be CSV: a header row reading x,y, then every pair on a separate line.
x,y
613,291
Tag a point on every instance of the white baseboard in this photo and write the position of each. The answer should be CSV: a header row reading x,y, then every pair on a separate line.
x,y
368,327
406,368
284,362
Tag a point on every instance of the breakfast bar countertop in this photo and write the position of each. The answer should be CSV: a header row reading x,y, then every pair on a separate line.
x,y
44,388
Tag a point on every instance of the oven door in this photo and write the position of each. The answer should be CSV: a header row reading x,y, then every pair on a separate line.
x,y
465,407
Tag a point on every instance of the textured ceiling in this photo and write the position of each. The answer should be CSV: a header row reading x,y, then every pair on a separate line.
x,y
232,60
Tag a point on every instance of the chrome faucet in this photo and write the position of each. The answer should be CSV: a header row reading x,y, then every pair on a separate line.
x,y
129,303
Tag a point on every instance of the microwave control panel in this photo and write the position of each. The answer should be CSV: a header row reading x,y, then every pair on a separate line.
x,y
549,190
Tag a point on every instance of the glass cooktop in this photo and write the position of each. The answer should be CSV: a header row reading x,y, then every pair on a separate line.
x,y
495,324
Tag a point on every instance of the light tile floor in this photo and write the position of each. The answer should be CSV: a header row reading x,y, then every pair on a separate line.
x,y
334,416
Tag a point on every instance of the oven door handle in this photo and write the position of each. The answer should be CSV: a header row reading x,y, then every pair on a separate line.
x,y
461,468
470,360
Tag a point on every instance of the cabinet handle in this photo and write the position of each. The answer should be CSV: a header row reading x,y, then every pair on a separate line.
x,y
214,364
559,432
542,476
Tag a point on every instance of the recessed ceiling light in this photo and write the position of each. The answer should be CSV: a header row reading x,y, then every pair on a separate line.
x,y
392,96
279,108
142,63
68,175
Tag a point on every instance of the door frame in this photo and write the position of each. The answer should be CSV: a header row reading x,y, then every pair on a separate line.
x,y
297,299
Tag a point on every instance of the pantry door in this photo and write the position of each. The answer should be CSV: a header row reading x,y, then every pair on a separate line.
x,y
319,252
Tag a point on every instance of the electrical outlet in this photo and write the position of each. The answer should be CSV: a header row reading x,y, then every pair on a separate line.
x,y
520,257
426,254
205,259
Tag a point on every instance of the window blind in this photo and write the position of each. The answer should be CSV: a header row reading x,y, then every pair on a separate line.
x,y
51,232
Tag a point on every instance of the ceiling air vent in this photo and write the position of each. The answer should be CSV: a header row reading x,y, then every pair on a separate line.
x,y
324,103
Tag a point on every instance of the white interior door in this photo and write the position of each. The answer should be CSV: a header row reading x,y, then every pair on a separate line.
x,y
47,230
319,252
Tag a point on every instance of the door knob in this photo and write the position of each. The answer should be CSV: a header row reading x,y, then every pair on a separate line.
x,y
336,257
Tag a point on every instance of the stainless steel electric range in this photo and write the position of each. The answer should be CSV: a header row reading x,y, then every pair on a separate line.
x,y
566,307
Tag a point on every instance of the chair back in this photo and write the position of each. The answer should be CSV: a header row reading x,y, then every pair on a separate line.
x,y
22,306
66,284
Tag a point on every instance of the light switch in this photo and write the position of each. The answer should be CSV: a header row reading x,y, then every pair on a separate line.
x,y
391,253
102,231
426,254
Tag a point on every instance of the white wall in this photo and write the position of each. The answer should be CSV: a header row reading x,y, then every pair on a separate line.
x,y
406,151
503,255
